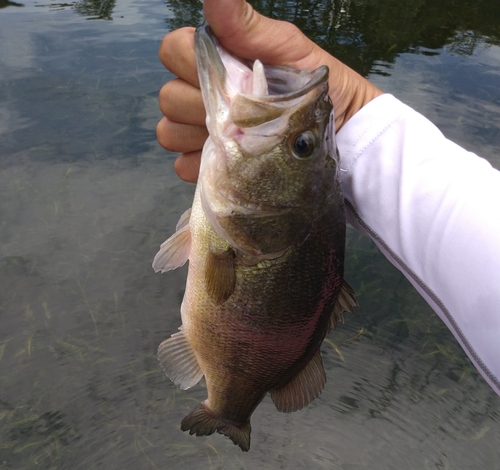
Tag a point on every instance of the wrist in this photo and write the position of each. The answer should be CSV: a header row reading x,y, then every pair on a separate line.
x,y
349,92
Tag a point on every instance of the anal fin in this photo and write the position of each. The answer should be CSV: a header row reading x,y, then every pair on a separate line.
x,y
178,361
303,388
345,303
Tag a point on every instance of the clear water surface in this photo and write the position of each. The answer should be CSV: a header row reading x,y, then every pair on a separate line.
x,y
87,196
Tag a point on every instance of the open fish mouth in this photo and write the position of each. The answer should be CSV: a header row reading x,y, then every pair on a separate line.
x,y
245,95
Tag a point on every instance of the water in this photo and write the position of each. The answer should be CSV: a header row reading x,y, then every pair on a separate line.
x,y
87,196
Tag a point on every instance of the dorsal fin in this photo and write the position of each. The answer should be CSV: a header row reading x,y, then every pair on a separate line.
x,y
174,252
220,276
345,303
178,361
303,388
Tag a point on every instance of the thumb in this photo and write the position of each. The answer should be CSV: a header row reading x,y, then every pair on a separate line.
x,y
250,35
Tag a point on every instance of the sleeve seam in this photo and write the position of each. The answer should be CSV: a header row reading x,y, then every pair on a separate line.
x,y
402,266
343,171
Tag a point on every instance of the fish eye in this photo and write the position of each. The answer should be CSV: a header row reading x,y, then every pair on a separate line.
x,y
304,145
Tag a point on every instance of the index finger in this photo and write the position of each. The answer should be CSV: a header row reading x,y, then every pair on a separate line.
x,y
177,55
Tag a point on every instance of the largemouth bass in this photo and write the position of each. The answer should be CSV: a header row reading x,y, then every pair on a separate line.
x,y
265,241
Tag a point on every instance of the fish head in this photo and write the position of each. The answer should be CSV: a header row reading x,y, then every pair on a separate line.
x,y
270,164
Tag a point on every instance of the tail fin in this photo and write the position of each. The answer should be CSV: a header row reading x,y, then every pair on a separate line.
x,y
202,422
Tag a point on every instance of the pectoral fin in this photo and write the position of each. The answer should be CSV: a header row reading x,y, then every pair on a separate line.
x,y
174,252
220,276
178,361
303,388
183,219
345,303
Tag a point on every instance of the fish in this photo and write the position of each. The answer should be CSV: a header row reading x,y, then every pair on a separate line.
x,y
265,240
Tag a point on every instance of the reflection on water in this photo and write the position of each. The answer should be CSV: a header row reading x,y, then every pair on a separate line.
x,y
86,197
7,3
96,9
364,33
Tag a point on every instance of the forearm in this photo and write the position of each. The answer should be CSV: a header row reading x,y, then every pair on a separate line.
x,y
431,207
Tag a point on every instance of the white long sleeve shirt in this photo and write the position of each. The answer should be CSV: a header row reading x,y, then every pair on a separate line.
x,y
433,209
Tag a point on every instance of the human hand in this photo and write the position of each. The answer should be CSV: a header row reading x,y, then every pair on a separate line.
x,y
248,35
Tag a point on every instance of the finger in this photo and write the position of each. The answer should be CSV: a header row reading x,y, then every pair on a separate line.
x,y
181,102
178,137
187,166
177,54
246,33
